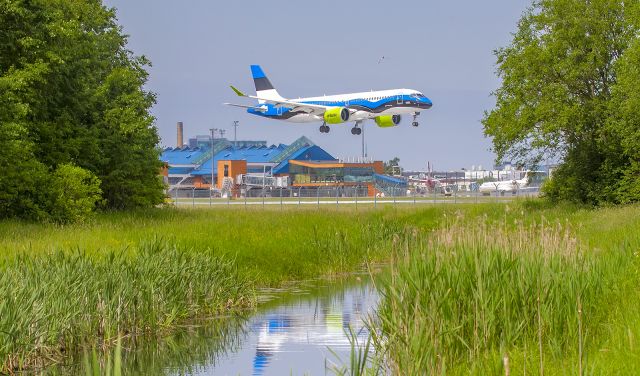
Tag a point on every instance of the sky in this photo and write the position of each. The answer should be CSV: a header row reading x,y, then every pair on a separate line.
x,y
442,48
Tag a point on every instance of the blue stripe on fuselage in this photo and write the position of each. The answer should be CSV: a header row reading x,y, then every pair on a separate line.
x,y
273,111
376,104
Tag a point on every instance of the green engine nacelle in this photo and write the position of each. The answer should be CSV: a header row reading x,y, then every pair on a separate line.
x,y
336,115
386,121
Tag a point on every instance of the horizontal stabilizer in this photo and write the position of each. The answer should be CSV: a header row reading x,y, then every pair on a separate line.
x,y
281,102
261,109
240,94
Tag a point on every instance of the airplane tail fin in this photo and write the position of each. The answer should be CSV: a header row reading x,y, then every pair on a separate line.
x,y
264,88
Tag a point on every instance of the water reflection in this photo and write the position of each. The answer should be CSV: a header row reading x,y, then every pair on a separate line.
x,y
294,337
184,353
291,334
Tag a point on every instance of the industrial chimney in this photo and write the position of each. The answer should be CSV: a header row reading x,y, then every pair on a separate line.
x,y
180,142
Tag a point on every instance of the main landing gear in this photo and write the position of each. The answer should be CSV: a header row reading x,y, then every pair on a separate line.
x,y
355,130
324,128
415,118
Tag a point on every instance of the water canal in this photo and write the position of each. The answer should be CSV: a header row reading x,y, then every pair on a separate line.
x,y
301,330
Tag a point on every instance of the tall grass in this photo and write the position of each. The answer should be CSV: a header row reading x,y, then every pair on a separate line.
x,y
146,273
271,245
362,360
55,303
464,297
94,367
463,293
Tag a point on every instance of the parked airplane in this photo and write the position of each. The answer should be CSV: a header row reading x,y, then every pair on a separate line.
x,y
385,107
506,186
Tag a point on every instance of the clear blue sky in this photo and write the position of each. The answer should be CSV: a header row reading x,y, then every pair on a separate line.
x,y
442,48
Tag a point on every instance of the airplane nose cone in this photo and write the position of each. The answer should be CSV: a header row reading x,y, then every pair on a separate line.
x,y
427,102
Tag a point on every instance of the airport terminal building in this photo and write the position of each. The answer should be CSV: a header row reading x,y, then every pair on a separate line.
x,y
253,168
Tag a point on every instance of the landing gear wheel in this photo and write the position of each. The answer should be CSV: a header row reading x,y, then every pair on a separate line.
x,y
415,119
324,128
356,130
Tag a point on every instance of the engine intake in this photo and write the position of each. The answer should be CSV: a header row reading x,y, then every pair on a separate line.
x,y
336,115
387,121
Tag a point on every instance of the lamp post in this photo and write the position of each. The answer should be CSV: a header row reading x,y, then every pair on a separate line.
x,y
235,133
213,130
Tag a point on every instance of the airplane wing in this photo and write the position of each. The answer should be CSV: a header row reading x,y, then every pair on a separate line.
x,y
257,108
316,109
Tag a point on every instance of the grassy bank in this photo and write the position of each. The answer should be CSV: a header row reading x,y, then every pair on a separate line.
x,y
145,273
271,245
471,283
539,291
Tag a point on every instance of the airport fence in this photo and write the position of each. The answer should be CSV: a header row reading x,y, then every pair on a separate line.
x,y
339,195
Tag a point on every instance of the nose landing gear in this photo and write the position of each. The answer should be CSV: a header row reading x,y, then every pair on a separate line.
x,y
415,119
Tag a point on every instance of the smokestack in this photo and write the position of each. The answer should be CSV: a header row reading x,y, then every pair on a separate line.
x,y
180,142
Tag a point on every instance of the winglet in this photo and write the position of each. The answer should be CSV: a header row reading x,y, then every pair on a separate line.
x,y
238,92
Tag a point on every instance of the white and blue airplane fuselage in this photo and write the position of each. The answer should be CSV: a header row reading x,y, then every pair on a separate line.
x,y
386,106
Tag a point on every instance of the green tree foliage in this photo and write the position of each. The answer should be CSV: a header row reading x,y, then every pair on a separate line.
x,y
75,193
560,76
22,177
72,93
625,120
392,166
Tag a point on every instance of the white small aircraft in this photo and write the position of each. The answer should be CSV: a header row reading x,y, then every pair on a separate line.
x,y
505,186
385,107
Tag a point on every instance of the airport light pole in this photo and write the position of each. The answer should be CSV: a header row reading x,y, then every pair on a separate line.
x,y
212,138
235,133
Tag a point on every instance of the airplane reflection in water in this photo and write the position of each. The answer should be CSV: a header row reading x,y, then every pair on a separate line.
x,y
295,338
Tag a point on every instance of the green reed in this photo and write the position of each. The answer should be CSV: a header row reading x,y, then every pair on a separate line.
x,y
464,291
464,297
55,303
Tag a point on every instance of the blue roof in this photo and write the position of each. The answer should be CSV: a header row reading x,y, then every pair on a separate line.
x,y
308,153
390,179
251,154
180,170
179,156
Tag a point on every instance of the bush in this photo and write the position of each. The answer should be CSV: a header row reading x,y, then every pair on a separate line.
x,y
75,194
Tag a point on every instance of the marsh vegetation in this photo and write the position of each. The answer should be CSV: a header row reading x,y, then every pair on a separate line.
x,y
470,287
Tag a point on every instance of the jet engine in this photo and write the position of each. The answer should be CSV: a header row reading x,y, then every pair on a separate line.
x,y
386,121
336,115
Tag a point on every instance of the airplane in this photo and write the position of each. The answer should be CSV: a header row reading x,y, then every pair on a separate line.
x,y
506,186
386,107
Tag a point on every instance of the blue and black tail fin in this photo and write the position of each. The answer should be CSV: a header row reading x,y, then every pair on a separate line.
x,y
264,88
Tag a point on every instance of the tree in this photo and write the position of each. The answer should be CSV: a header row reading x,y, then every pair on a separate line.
x,y
558,75
74,95
392,166
75,191
625,124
